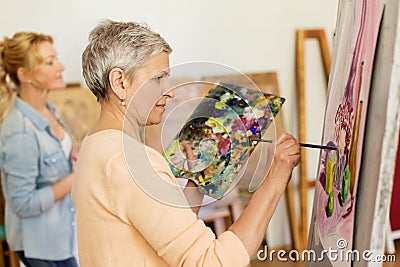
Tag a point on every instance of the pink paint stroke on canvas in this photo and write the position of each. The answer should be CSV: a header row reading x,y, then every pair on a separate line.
x,y
354,48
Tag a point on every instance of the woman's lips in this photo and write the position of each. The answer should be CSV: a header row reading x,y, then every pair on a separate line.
x,y
161,106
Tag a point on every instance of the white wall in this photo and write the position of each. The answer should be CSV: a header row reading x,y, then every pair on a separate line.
x,y
251,36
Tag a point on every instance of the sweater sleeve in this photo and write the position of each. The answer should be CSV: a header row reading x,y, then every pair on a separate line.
x,y
20,163
175,233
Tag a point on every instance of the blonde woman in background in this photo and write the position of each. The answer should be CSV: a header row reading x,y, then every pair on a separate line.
x,y
118,222
35,154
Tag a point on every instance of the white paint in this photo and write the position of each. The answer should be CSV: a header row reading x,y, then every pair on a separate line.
x,y
251,36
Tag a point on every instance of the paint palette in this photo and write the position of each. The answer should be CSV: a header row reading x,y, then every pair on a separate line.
x,y
218,132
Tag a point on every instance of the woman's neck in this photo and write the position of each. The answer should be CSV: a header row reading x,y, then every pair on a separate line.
x,y
34,97
112,117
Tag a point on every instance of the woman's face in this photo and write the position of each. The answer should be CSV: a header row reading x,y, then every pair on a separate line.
x,y
48,74
150,99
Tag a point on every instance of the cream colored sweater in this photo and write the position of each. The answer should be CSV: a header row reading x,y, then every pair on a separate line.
x,y
120,225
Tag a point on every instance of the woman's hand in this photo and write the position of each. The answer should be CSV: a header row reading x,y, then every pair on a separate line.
x,y
190,157
286,158
63,187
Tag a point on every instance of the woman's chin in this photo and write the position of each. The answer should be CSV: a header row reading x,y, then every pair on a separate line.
x,y
153,122
58,86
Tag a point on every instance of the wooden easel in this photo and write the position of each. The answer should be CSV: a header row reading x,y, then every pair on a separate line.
x,y
300,231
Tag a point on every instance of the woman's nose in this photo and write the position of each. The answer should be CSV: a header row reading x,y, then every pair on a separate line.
x,y
170,93
62,67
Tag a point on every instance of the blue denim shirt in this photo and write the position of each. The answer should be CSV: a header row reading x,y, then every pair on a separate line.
x,y
32,160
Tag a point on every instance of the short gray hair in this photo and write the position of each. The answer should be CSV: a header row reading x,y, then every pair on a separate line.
x,y
126,45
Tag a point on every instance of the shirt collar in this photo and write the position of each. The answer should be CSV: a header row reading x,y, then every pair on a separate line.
x,y
35,117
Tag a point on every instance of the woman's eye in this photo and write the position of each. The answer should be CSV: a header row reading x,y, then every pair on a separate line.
x,y
158,78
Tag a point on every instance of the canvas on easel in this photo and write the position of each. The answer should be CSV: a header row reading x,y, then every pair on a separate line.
x,y
380,141
349,83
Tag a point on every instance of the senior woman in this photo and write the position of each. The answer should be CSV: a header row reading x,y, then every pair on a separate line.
x,y
118,222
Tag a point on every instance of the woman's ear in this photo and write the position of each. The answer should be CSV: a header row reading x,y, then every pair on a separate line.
x,y
24,75
116,77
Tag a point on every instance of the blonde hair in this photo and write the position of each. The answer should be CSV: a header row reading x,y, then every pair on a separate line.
x,y
20,51
126,45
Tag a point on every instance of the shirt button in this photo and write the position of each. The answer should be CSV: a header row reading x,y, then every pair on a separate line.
x,y
53,160
72,209
73,223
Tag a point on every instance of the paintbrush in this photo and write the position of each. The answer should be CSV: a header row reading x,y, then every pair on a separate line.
x,y
300,144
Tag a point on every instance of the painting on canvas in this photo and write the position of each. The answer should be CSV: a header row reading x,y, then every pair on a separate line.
x,y
349,82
